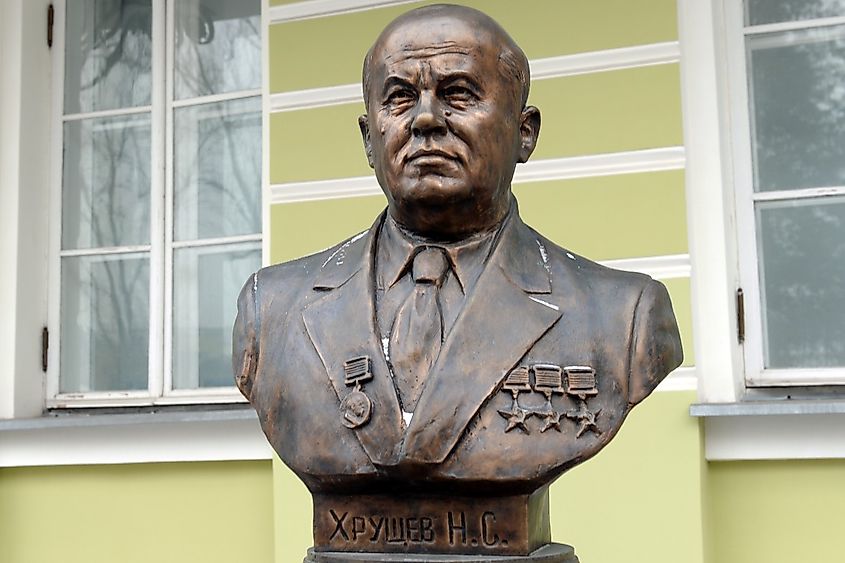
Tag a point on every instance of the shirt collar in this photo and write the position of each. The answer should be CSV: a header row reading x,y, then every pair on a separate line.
x,y
397,249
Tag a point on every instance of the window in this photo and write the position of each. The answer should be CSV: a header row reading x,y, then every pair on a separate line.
x,y
786,70
160,206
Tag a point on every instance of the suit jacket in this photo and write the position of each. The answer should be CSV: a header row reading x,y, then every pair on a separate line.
x,y
534,303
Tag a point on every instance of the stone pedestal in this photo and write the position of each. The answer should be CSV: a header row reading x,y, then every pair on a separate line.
x,y
549,553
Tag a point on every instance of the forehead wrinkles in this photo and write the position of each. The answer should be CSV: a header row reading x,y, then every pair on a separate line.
x,y
405,53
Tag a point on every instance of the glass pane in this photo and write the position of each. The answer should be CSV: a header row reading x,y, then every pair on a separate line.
x,y
105,323
106,182
802,278
772,11
206,284
217,169
108,53
797,94
218,47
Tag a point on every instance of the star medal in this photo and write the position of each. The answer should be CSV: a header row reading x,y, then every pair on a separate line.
x,y
581,383
516,382
548,381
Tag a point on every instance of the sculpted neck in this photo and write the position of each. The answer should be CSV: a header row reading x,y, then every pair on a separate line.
x,y
449,223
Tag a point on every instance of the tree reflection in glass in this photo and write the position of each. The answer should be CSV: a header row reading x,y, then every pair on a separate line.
x,y
108,55
802,271
797,87
218,47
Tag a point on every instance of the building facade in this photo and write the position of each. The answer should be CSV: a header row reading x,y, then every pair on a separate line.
x,y
677,140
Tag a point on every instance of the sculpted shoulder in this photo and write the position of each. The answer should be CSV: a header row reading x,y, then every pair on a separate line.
x,y
288,279
274,292
568,267
610,297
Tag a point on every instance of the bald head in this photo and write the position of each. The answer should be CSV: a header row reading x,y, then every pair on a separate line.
x,y
442,23
447,120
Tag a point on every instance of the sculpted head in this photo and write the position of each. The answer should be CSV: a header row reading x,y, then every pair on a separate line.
x,y
445,89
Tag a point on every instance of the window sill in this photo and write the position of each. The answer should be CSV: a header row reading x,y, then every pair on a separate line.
x,y
161,436
773,430
768,408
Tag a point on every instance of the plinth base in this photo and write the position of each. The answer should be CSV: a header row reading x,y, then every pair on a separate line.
x,y
549,553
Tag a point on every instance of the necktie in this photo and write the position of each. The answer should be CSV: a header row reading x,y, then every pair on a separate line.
x,y
417,332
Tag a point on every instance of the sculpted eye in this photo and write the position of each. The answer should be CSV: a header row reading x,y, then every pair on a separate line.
x,y
459,95
400,96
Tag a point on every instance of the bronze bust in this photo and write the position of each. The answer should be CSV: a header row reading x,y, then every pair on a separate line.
x,y
430,377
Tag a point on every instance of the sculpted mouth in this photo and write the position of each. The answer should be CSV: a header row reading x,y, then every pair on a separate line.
x,y
431,155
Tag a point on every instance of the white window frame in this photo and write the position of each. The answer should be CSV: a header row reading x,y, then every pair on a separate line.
x,y
28,435
161,248
720,213
25,101
740,423
711,216
756,374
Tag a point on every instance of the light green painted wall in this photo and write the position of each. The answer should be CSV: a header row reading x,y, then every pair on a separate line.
x,y
639,499
630,109
293,510
144,513
335,46
644,211
585,114
776,511
604,218
299,229
644,488
317,144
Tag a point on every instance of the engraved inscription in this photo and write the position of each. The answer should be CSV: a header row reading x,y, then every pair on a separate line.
x,y
338,528
457,528
462,528
509,525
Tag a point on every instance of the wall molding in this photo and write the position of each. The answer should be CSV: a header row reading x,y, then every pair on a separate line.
x,y
608,164
667,267
322,8
606,60
541,69
682,379
317,98
341,188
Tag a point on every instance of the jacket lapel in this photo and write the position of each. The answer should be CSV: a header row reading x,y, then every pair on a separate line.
x,y
500,322
341,325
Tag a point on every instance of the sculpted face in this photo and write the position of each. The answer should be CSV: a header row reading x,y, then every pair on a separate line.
x,y
445,123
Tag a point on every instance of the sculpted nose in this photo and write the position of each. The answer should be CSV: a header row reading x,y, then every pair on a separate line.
x,y
429,119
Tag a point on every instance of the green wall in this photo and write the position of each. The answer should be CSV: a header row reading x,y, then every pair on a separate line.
x,y
163,513
606,112
543,28
775,511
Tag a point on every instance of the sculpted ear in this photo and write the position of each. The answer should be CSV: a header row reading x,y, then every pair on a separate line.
x,y
529,131
364,124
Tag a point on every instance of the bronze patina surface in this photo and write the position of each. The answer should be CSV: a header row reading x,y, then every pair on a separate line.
x,y
430,377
